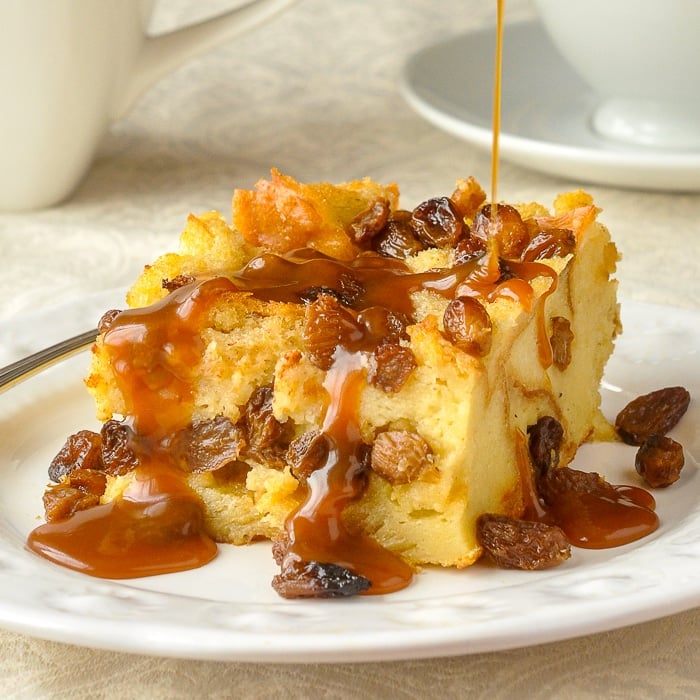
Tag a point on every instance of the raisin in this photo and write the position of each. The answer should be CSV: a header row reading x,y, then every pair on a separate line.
x,y
401,456
62,501
507,227
469,248
398,238
383,325
659,461
178,281
350,288
89,481
307,453
266,437
437,223
554,243
652,414
561,340
107,319
521,544
318,580
468,326
390,366
348,291
207,445
371,221
544,440
311,294
83,450
565,480
118,456
327,324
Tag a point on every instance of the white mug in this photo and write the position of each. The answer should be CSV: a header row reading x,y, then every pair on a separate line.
x,y
68,68
642,58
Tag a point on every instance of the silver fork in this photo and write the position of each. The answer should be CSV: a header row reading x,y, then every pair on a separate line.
x,y
27,367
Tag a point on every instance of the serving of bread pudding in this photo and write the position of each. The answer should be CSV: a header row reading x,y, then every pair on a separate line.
x,y
355,381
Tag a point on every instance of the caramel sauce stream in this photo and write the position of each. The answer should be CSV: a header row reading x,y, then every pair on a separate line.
x,y
497,92
316,530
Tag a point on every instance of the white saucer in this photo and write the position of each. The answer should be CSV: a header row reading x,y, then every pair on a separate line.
x,y
545,113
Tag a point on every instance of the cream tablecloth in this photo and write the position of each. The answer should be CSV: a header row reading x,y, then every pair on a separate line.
x,y
314,93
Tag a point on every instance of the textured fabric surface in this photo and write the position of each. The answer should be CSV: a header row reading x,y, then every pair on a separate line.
x,y
315,93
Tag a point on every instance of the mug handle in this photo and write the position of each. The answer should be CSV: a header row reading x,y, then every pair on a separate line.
x,y
165,52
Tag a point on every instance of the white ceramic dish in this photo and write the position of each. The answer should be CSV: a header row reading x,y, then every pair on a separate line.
x,y
227,610
546,111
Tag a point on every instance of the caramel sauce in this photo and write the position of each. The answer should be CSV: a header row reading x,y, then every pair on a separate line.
x,y
598,518
153,351
497,92
155,527
316,530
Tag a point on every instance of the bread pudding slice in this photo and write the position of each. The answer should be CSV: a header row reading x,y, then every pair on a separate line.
x,y
353,380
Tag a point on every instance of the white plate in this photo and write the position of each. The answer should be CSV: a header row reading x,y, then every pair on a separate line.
x,y
545,115
227,609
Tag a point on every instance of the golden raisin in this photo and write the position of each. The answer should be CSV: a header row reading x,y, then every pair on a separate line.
x,y
468,326
390,366
561,339
437,223
401,456
327,324
506,226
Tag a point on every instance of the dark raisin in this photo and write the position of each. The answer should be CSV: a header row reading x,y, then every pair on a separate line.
x,y
83,450
266,438
554,243
307,453
437,223
118,456
521,544
207,445
398,238
659,461
317,580
544,440
468,326
652,414
371,221
390,366
565,480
